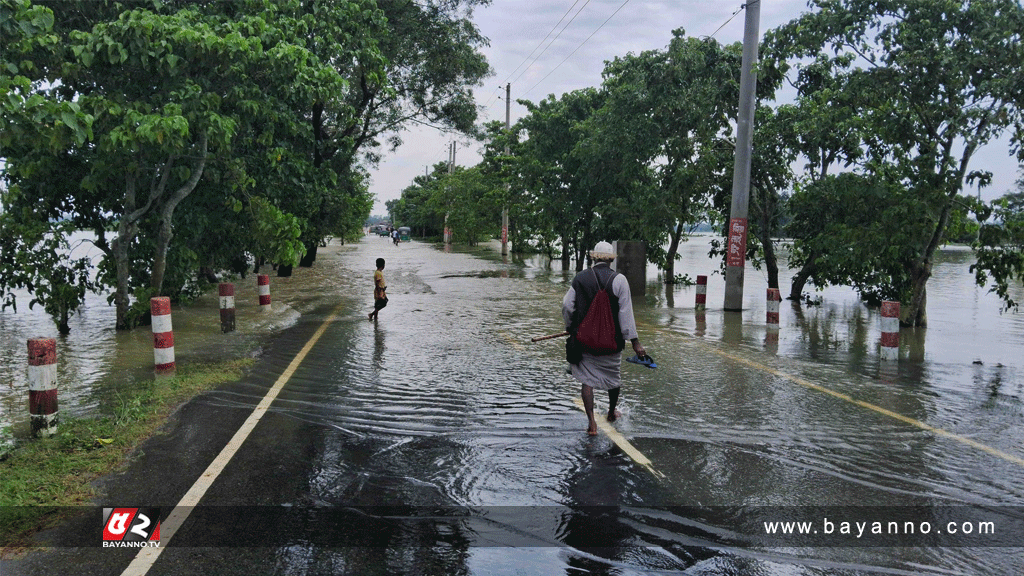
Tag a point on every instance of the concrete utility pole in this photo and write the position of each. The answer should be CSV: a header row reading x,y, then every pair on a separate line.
x,y
735,258
451,170
504,209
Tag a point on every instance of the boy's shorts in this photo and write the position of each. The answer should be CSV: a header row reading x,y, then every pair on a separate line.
x,y
380,303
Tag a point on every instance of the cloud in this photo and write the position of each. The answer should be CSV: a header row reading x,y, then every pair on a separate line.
x,y
519,28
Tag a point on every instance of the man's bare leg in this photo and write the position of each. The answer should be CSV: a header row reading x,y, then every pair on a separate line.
x,y
613,401
588,406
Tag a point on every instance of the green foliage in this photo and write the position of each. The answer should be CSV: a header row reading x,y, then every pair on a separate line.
x,y
555,205
276,234
1000,248
470,199
137,119
671,112
902,92
36,256
684,280
860,232
415,207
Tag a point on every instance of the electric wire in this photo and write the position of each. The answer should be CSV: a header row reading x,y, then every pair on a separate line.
x,y
546,37
621,6
738,10
569,23
541,43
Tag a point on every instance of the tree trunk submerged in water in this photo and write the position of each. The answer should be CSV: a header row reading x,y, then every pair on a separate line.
x,y
675,237
309,257
800,279
915,313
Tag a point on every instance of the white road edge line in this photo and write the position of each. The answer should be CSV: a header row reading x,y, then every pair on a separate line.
x,y
146,557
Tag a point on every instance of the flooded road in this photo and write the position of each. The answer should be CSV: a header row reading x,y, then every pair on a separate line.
x,y
439,440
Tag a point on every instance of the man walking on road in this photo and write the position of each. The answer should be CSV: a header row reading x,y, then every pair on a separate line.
x,y
380,297
601,371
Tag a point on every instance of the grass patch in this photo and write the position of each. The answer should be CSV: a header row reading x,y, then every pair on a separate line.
x,y
42,480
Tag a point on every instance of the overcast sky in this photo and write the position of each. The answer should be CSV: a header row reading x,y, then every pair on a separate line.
x,y
519,28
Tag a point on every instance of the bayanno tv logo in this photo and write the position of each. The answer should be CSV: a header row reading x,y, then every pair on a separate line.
x,y
131,527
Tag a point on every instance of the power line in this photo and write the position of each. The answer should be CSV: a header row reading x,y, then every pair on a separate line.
x,y
496,96
738,10
541,43
578,47
578,12
546,37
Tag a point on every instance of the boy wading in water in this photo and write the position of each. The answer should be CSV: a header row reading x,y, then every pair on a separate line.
x,y
380,298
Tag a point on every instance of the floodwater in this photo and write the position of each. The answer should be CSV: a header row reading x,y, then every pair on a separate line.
x,y
445,403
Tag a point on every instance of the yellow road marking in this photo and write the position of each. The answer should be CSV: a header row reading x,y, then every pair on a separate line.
x,y
146,557
876,408
846,398
621,442
513,341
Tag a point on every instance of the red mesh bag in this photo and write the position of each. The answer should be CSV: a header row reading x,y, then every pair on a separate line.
x,y
597,330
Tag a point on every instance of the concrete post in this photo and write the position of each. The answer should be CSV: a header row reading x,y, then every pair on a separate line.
x,y
702,294
163,334
42,386
771,337
631,262
227,307
890,330
772,316
263,285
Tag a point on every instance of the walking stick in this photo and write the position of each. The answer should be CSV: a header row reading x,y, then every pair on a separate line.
x,y
548,337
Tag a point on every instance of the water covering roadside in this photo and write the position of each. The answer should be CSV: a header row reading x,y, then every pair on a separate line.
x,y
444,400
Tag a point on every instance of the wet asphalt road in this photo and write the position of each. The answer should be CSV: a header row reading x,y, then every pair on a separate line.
x,y
440,441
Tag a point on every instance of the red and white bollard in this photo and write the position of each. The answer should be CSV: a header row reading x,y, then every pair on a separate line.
x,y
163,334
702,293
890,330
227,307
772,316
42,386
263,283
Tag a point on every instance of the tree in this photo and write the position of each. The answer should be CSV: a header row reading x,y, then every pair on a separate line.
x,y
422,69
414,207
1000,247
131,108
671,111
770,176
550,169
34,252
470,199
924,85
38,258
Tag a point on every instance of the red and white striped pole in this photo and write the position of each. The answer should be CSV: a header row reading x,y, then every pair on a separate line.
x,y
227,307
890,330
702,293
263,283
42,386
772,316
163,334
